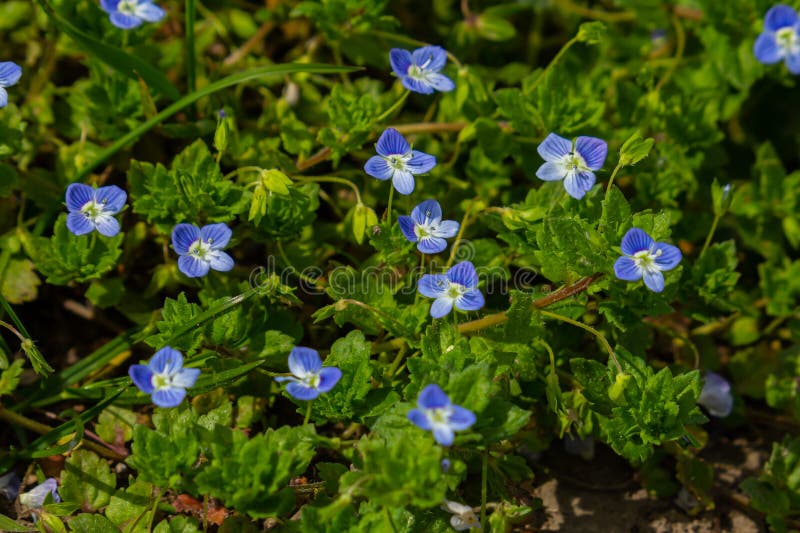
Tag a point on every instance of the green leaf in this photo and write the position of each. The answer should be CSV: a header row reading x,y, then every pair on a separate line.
x,y
116,424
352,356
9,179
592,32
92,522
129,505
635,149
178,524
9,379
494,27
87,480
7,524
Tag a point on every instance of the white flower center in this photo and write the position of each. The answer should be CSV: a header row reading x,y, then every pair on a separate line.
x,y
646,260
162,381
93,210
312,380
398,161
455,290
439,416
127,7
573,163
788,40
200,249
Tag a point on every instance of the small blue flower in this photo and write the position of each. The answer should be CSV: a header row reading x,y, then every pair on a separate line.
x,y
94,209
201,249
420,71
35,497
435,412
396,160
716,395
780,40
10,73
459,287
426,227
572,163
9,486
309,379
164,377
645,258
129,14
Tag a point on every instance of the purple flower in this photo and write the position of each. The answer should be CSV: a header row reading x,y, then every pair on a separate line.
x,y
459,287
435,412
426,227
420,70
396,160
94,209
35,497
200,250
645,258
780,40
716,395
10,73
309,379
129,14
9,485
573,163
164,377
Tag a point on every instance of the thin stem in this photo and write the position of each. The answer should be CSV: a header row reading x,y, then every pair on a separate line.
x,y
613,175
332,179
552,63
303,277
710,235
421,273
240,170
680,46
13,330
308,413
484,485
14,318
590,329
191,58
457,242
619,16
397,105
388,213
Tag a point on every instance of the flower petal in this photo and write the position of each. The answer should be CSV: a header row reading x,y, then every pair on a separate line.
x,y
378,167
186,378
183,236
419,419
433,285
426,211
550,171
654,280
554,147
431,245
470,301
111,197
443,434
464,274
420,162
417,86
301,391
36,497
441,306
793,63
429,57
670,255
193,267
780,16
217,235
78,224
78,195
392,142
592,150
107,225
10,73
220,261
407,227
716,395
166,361
124,22
432,397
440,82
636,240
304,361
400,60
328,377
142,377
766,49
403,182
149,12
169,397
625,269
577,185
447,229
109,6
3,98
461,418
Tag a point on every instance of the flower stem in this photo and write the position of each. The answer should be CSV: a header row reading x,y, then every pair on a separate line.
x,y
550,65
611,179
590,329
395,106
388,213
484,485
308,413
332,179
710,235
457,241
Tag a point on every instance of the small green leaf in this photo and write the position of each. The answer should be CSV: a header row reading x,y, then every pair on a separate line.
x,y
592,32
635,149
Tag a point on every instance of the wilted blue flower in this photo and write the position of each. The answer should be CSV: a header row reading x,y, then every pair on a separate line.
x,y
420,71
572,163
128,14
645,258
716,395
459,287
164,377
35,497
780,40
435,412
309,379
463,518
94,209
201,249
10,73
426,227
9,485
396,160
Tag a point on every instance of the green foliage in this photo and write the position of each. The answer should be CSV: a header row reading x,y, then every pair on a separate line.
x,y
776,492
87,481
352,356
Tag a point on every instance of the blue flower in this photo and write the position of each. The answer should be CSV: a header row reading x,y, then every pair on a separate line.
x,y
572,163
128,14
459,287
435,412
645,258
309,379
94,209
10,73
9,486
201,249
35,497
398,161
420,71
716,395
780,40
164,377
426,227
